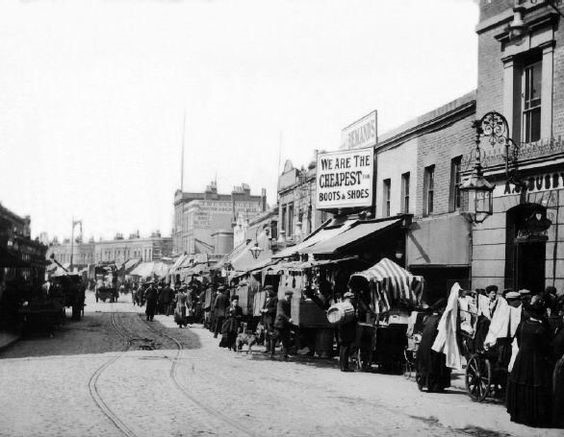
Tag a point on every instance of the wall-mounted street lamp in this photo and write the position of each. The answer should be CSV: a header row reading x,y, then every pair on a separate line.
x,y
476,192
256,249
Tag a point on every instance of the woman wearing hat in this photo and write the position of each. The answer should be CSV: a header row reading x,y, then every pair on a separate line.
x,y
529,386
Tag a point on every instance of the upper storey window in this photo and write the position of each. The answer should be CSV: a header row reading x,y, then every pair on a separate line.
x,y
531,101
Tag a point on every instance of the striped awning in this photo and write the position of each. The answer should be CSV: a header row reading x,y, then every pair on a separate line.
x,y
391,284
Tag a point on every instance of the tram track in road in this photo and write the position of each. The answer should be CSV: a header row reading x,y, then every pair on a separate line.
x,y
93,383
185,391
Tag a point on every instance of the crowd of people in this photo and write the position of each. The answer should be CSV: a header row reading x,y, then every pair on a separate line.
x,y
530,350
221,314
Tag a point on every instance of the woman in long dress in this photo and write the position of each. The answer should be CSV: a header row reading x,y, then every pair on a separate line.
x,y
529,387
180,310
431,370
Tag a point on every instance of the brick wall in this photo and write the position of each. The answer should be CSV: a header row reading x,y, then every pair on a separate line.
x,y
490,74
439,148
491,8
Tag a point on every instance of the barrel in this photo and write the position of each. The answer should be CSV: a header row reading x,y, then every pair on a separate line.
x,y
341,312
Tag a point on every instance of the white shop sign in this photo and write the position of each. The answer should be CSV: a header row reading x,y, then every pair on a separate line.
x,y
362,133
345,179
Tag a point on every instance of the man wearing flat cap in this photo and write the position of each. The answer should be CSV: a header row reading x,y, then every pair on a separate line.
x,y
283,322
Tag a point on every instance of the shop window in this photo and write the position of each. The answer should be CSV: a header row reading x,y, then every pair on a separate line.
x,y
531,101
455,183
387,188
429,190
405,193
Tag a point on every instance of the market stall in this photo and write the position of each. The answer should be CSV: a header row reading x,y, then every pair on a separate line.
x,y
393,293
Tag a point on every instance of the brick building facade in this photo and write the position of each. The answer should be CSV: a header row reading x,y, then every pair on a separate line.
x,y
521,76
418,169
199,217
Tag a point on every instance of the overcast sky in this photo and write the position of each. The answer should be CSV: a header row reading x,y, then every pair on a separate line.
x,y
92,95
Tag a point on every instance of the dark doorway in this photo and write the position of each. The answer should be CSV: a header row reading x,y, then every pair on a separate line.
x,y
530,264
525,248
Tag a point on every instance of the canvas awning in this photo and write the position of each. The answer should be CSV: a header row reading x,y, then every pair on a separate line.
x,y
150,268
390,284
320,235
355,234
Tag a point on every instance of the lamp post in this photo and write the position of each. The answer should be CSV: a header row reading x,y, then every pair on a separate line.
x,y
74,223
256,249
476,191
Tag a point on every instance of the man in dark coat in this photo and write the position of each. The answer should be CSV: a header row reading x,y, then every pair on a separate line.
x,y
151,297
163,301
283,322
346,333
431,370
220,306
230,327
268,316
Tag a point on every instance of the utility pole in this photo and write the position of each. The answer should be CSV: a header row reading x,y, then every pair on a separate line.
x,y
182,155
74,223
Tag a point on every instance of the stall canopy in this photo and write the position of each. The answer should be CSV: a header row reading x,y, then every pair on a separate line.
x,y
152,268
357,233
322,234
130,264
390,284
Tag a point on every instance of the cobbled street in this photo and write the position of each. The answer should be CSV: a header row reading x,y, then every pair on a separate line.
x,y
115,374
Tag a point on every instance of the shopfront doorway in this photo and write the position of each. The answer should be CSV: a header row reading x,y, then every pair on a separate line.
x,y
525,255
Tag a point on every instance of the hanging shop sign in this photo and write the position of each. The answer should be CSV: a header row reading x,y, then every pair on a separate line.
x,y
362,133
345,179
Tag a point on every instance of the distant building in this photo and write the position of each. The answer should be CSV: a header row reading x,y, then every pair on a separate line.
x,y
117,250
82,253
297,214
151,248
203,221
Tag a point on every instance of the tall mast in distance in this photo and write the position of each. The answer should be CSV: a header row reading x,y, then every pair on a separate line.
x,y
182,154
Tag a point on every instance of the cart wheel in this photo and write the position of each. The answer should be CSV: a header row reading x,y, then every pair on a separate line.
x,y
478,377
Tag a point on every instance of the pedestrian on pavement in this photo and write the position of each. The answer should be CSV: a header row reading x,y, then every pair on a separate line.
x,y
151,297
268,316
346,334
283,322
170,300
180,310
529,387
230,327
431,369
163,299
220,307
